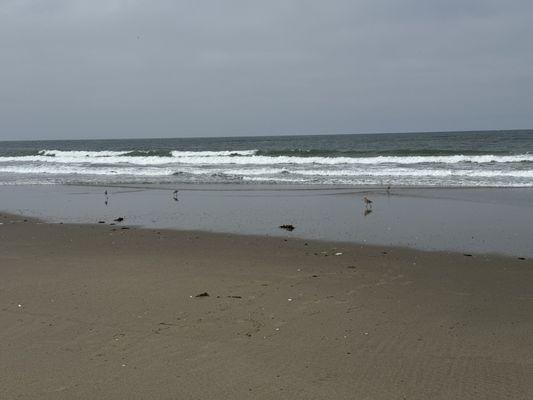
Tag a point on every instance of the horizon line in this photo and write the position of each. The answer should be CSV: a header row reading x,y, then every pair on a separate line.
x,y
276,135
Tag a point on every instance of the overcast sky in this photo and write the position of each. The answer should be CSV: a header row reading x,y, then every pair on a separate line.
x,y
128,68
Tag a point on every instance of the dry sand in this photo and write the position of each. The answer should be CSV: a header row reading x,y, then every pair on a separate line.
x,y
100,312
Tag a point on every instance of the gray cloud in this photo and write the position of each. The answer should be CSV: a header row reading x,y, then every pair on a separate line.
x,y
126,68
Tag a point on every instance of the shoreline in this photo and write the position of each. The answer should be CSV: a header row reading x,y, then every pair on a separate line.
x,y
7,219
379,248
282,187
88,311
478,220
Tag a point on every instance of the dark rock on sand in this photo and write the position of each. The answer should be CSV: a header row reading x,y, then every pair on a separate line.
x,y
287,227
204,294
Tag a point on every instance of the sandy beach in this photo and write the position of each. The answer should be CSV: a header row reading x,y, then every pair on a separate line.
x,y
98,311
277,200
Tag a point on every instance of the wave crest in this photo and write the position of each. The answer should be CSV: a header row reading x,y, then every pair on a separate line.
x,y
270,157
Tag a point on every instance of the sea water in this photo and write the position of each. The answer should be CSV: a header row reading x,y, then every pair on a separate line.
x,y
448,159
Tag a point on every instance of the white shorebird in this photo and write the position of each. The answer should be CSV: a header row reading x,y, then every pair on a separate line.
x,y
368,202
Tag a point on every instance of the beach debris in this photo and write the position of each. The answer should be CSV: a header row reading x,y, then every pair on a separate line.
x,y
521,258
287,227
338,254
351,266
467,255
314,276
119,219
289,299
204,294
234,297
101,222
124,228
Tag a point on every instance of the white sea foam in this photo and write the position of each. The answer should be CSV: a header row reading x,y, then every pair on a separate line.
x,y
419,172
248,157
247,166
293,174
81,170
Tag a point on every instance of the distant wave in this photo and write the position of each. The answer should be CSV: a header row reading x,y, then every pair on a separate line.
x,y
433,167
233,173
49,169
373,153
403,152
147,153
255,157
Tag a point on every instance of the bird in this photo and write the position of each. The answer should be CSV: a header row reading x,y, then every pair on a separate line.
x,y
368,202
175,195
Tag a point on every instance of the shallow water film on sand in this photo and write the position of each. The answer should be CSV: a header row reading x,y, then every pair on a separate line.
x,y
456,159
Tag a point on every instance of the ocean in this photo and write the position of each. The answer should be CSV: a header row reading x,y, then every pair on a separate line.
x,y
447,159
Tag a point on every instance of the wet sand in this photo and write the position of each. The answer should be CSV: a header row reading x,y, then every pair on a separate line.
x,y
97,311
482,220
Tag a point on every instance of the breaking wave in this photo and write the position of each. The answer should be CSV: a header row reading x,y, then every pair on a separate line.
x,y
247,157
294,166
